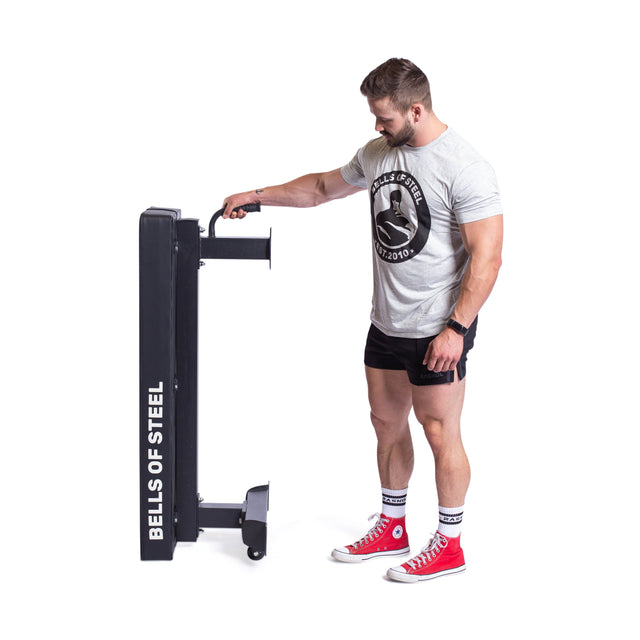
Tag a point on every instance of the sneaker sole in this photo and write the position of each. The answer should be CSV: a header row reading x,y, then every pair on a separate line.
x,y
354,557
409,577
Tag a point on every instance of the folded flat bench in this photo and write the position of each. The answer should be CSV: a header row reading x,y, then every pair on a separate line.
x,y
172,251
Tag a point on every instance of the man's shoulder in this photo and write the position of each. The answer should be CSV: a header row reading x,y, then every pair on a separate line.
x,y
458,149
456,157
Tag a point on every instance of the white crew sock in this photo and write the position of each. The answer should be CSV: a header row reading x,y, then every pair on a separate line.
x,y
394,502
450,522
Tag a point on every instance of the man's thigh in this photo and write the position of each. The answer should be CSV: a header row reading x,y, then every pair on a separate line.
x,y
390,393
441,403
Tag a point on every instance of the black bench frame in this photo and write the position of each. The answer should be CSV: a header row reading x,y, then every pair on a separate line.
x,y
171,509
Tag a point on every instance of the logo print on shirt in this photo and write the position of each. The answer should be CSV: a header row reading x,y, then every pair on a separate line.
x,y
399,215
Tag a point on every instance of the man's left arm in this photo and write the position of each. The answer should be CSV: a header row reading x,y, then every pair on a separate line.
x,y
483,241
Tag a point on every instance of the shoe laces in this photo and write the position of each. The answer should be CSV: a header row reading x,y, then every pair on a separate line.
x,y
435,546
374,532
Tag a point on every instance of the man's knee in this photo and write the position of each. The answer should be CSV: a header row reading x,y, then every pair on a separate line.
x,y
389,426
441,433
433,429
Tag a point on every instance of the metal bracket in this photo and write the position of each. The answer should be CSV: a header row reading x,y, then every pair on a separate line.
x,y
250,516
234,248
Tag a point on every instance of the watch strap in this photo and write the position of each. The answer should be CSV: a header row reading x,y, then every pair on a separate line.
x,y
457,327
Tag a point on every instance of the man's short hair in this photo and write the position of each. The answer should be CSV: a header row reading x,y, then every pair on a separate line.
x,y
399,80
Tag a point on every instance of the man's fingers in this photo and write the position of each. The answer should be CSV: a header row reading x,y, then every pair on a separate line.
x,y
438,363
230,213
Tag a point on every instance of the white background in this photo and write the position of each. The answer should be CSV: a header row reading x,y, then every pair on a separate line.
x,y
111,107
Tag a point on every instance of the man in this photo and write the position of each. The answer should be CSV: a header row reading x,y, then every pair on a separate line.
x,y
437,237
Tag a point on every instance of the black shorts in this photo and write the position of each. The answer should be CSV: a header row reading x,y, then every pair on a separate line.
x,y
406,354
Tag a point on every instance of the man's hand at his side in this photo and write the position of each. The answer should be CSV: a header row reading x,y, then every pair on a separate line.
x,y
444,351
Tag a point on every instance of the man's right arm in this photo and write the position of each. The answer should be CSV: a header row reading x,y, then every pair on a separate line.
x,y
306,191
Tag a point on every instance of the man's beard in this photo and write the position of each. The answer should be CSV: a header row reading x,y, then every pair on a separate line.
x,y
402,137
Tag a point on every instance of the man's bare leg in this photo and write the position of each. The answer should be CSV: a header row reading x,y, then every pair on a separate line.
x,y
390,397
438,408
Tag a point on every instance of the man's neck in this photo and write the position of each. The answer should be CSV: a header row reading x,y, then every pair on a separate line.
x,y
428,130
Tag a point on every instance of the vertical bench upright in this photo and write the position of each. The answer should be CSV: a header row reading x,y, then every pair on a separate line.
x,y
171,509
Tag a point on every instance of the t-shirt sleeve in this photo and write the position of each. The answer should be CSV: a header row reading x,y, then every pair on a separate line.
x,y
353,172
475,193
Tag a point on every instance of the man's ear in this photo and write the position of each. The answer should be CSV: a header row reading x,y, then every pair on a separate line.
x,y
417,112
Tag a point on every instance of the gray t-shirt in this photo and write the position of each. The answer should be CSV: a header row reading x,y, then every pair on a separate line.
x,y
419,196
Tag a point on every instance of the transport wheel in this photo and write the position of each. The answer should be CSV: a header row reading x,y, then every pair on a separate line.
x,y
255,554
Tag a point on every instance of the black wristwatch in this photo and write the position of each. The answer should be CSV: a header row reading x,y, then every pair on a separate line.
x,y
457,327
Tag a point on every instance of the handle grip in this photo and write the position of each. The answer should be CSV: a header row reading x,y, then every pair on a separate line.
x,y
249,208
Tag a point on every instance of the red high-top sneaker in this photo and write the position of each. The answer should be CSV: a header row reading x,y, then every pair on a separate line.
x,y
440,557
387,538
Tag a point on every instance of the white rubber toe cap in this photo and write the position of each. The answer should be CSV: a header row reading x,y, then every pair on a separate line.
x,y
398,569
342,554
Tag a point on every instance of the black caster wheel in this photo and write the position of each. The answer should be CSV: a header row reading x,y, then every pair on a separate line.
x,y
255,554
